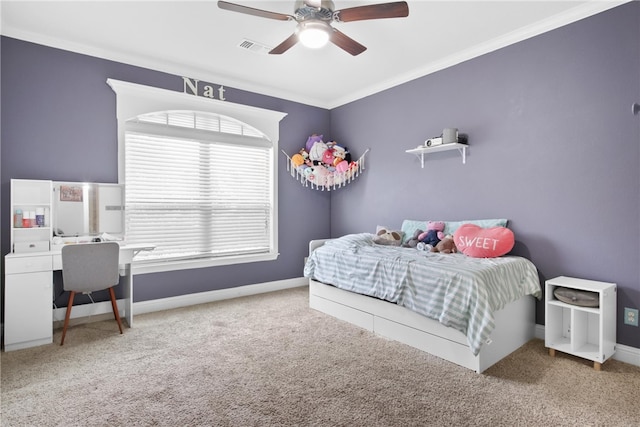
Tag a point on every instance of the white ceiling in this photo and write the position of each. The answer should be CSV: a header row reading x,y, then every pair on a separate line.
x,y
198,40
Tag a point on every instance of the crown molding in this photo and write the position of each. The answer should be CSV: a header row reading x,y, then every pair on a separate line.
x,y
560,20
582,11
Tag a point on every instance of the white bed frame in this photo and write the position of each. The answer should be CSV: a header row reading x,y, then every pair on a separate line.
x,y
515,324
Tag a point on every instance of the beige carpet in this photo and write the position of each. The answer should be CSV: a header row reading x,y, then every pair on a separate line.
x,y
269,360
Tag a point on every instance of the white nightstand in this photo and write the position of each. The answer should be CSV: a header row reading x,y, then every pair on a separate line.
x,y
587,332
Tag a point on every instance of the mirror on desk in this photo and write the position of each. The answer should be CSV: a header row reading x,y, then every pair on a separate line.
x,y
88,208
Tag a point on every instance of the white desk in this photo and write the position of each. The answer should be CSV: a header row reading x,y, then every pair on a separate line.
x,y
28,303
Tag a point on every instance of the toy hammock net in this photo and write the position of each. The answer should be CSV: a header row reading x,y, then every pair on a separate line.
x,y
320,177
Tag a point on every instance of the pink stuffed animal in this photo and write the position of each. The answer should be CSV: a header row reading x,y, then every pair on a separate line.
x,y
434,233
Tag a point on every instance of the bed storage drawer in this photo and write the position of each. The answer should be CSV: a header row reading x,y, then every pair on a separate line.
x,y
514,325
402,316
425,341
343,312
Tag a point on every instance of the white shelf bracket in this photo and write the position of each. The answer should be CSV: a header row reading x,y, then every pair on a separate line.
x,y
463,152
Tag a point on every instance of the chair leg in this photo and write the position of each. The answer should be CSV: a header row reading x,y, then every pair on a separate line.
x,y
114,305
72,294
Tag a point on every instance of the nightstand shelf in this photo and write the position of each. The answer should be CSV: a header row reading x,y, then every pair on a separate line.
x,y
587,332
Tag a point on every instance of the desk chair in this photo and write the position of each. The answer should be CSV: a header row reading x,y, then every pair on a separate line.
x,y
90,267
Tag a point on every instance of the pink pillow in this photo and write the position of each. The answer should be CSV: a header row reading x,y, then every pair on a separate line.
x,y
479,242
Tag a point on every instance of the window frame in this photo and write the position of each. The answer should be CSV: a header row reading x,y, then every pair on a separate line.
x,y
133,100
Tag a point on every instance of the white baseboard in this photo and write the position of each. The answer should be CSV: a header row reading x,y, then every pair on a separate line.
x,y
86,313
219,295
624,353
102,310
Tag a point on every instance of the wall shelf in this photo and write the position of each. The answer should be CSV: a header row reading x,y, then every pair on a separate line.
x,y
423,150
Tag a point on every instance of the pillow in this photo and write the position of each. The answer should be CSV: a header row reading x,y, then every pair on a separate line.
x,y
452,226
475,241
386,236
409,227
577,297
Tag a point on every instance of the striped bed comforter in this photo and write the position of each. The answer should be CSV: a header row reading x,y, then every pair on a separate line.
x,y
459,291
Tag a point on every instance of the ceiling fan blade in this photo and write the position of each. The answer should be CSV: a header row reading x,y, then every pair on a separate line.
x,y
285,45
346,43
253,11
398,9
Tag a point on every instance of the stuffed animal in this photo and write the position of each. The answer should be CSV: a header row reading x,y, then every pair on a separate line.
x,y
317,152
311,141
434,233
339,152
343,166
347,155
297,160
429,237
413,241
327,157
319,175
446,246
387,237
424,247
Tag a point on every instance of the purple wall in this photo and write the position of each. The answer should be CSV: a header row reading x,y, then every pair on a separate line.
x,y
59,123
554,147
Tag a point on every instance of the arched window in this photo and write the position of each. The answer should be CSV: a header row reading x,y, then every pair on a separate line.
x,y
200,182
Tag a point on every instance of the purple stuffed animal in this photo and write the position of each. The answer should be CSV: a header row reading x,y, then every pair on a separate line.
x,y
312,140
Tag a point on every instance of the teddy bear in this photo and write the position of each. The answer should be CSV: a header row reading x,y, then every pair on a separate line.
x,y
446,245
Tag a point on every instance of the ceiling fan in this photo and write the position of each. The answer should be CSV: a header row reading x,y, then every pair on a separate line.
x,y
314,18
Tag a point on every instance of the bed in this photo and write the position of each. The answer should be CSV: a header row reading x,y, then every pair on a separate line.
x,y
469,311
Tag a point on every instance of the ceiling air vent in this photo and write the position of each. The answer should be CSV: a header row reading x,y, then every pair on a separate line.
x,y
254,46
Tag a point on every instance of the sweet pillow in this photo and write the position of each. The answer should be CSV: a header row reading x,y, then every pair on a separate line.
x,y
478,242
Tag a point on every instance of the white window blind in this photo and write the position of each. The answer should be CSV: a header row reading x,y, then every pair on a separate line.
x,y
198,185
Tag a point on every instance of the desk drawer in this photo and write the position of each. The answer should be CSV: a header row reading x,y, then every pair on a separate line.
x,y
27,264
23,247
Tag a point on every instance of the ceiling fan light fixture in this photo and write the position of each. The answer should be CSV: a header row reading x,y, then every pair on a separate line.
x,y
313,34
